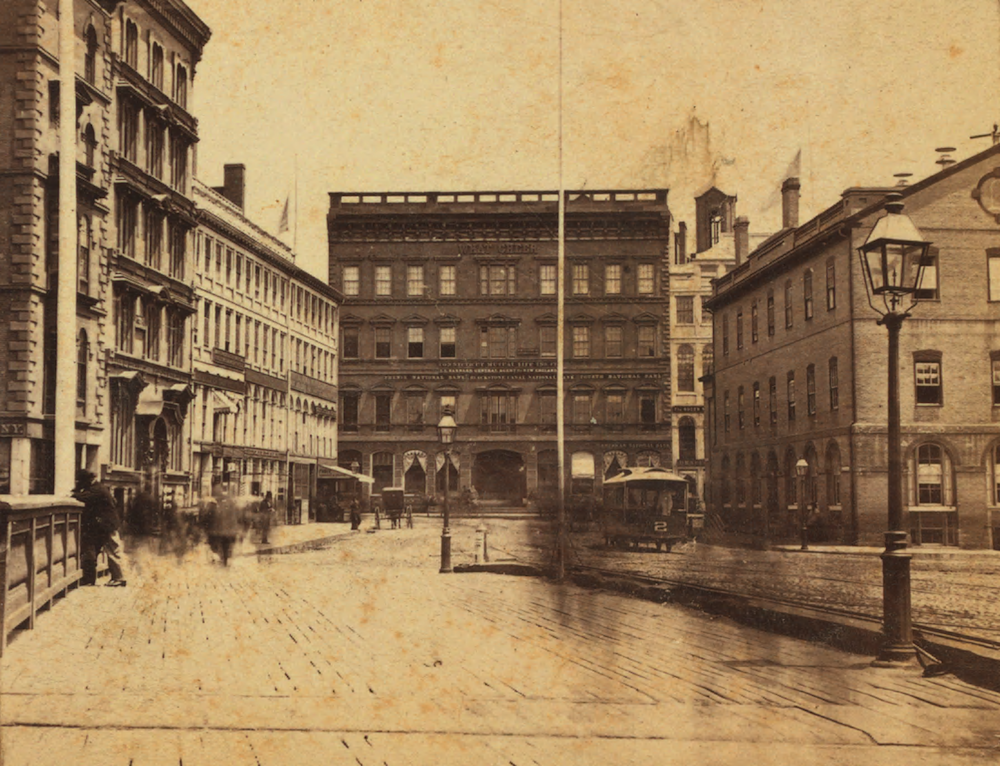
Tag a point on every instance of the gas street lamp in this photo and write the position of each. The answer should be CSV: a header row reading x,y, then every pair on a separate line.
x,y
446,433
892,261
801,469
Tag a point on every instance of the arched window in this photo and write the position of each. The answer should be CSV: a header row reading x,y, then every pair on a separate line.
x,y
82,356
687,440
131,44
933,518
90,57
156,66
685,368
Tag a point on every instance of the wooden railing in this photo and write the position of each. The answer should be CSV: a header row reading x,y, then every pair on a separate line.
x,y
39,557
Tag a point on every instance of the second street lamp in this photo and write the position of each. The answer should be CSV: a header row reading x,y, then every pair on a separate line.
x,y
892,261
446,432
801,469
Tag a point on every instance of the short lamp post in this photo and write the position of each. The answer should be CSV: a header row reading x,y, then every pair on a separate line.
x,y
801,469
446,432
892,260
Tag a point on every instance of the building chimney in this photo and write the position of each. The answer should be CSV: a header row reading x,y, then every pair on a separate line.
x,y
234,184
790,203
741,236
682,243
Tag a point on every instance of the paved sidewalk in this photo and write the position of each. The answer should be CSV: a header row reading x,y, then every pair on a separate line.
x,y
363,654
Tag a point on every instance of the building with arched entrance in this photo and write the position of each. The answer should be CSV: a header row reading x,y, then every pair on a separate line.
x,y
450,302
800,373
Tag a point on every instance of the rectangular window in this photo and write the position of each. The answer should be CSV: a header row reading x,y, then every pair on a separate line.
x,y
383,281
612,279
788,306
547,279
615,408
446,404
739,330
791,396
613,341
772,394
754,323
644,284
685,309
706,315
807,294
811,389
647,412
383,342
647,342
993,272
349,412
581,342
581,409
927,290
447,350
581,279
350,345
834,385
928,379
383,410
415,281
498,411
352,280
501,342
415,410
547,411
831,286
497,279
547,340
770,314
740,408
995,365
446,280
207,324
725,335
756,405
726,419
414,342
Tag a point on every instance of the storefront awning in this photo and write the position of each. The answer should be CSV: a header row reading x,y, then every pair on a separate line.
x,y
332,471
223,402
583,465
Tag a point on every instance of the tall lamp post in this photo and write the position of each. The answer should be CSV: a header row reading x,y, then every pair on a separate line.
x,y
801,469
892,260
446,432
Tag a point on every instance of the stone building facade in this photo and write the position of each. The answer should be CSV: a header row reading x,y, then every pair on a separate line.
x,y
800,372
450,301
264,356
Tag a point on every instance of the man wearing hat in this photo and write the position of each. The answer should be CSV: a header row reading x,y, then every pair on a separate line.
x,y
99,529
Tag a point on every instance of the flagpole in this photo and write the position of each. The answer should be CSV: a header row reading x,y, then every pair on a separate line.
x,y
295,231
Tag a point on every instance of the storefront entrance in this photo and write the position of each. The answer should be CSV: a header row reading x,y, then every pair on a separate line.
x,y
499,477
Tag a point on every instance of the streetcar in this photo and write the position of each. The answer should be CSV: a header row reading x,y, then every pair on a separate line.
x,y
646,506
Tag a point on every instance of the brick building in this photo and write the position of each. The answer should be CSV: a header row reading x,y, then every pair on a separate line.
x,y
264,356
450,300
800,372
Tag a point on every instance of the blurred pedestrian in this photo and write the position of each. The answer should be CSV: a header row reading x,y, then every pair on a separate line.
x,y
99,530
355,514
266,509
225,526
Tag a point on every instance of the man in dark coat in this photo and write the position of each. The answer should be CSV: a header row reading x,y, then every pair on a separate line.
x,y
99,529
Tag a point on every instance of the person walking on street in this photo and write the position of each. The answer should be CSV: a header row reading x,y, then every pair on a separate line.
x,y
266,509
99,530
355,514
225,526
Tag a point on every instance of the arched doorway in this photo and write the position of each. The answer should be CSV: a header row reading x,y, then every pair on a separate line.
x,y
499,477
415,472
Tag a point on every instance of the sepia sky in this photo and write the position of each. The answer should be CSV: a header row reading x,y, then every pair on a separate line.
x,y
418,95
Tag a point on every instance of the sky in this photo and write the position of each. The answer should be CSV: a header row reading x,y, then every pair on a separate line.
x,y
480,95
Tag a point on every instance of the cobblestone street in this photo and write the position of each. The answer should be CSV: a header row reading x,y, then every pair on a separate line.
x,y
362,653
951,589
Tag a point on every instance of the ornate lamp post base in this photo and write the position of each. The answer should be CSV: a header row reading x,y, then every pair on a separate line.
x,y
898,649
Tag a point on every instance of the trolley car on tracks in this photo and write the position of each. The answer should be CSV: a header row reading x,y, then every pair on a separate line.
x,y
646,506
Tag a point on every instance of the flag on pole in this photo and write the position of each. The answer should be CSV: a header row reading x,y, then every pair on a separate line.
x,y
793,170
283,223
